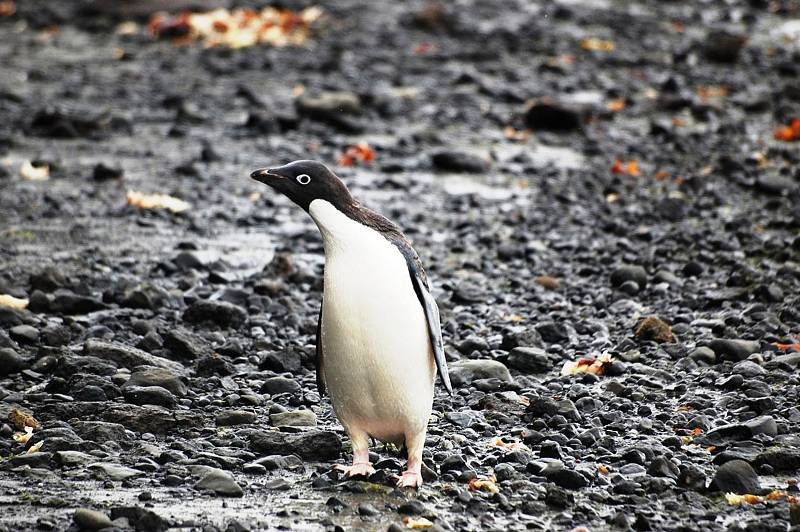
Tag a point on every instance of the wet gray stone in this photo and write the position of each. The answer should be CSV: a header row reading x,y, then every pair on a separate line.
x,y
11,362
220,313
748,368
735,350
24,334
627,273
112,471
158,377
235,417
296,418
149,395
324,445
220,482
128,357
87,519
467,371
736,476
276,385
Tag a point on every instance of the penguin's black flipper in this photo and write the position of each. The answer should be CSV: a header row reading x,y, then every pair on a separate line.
x,y
320,378
420,282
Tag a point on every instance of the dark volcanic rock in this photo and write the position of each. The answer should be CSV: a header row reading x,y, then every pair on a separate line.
x,y
221,313
466,371
184,344
149,395
529,359
633,273
736,476
141,519
735,350
11,362
158,377
458,161
128,357
547,115
315,444
149,418
780,459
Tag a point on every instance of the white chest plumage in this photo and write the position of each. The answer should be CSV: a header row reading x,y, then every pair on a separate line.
x,y
377,361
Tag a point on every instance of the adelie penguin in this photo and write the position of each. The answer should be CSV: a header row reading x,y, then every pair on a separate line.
x,y
379,340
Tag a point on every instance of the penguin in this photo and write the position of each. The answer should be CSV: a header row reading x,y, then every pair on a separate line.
x,y
379,338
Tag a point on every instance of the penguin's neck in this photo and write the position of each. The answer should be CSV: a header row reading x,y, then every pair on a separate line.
x,y
340,231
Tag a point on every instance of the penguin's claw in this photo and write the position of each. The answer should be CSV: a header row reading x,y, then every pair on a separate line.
x,y
363,469
410,479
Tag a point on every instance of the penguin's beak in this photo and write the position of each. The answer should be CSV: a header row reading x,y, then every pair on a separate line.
x,y
268,176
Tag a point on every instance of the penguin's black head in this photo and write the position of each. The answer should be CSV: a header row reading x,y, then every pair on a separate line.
x,y
304,181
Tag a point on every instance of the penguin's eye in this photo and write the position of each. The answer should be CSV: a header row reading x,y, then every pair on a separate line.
x,y
303,179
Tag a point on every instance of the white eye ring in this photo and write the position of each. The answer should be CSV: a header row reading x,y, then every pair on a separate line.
x,y
303,179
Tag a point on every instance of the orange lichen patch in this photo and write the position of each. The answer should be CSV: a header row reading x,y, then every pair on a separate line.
x,y
514,134
588,365
615,106
712,92
773,496
425,48
786,347
790,133
237,28
509,446
593,44
7,8
488,484
630,168
360,153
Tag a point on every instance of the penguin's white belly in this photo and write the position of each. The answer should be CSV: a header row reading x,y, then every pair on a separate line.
x,y
377,361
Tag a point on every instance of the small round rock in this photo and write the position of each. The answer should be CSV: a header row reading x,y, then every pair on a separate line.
x,y
87,519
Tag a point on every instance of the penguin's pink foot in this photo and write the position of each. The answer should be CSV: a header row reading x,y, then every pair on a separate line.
x,y
410,479
364,469
360,467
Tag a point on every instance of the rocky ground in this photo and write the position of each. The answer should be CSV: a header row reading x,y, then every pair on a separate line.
x,y
168,356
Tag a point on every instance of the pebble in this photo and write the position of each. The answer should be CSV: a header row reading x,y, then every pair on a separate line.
x,y
312,444
749,369
296,418
24,334
87,519
220,482
149,395
11,362
220,313
627,273
736,476
163,378
467,371
235,417
734,350
276,385
459,161
529,359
